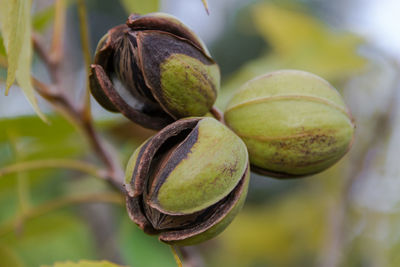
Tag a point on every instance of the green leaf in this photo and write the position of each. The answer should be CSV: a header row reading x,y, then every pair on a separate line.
x,y
59,139
58,236
42,19
16,31
85,263
141,250
56,141
140,6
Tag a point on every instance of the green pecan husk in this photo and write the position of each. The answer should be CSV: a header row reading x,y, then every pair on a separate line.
x,y
187,183
154,70
293,123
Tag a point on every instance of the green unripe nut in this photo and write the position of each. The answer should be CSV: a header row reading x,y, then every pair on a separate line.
x,y
187,182
154,70
293,123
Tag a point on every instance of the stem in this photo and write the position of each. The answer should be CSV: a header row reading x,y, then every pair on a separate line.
x,y
217,114
84,32
176,257
57,45
61,203
54,163
52,60
22,180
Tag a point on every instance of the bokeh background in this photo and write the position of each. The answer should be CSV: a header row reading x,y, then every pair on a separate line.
x,y
348,215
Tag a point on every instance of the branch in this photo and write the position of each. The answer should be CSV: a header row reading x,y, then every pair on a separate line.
x,y
58,100
74,114
50,64
77,115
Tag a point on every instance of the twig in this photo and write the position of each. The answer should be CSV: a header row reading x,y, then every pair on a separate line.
x,y
55,163
83,29
57,45
58,99
44,56
61,203
22,182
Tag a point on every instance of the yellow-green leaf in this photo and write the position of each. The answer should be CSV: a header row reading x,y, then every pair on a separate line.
x,y
140,6
307,43
42,19
15,19
85,263
2,48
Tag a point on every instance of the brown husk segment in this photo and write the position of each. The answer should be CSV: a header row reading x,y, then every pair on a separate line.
x,y
151,22
101,80
98,93
126,67
136,214
213,215
154,48
119,43
161,221
140,173
175,228
105,48
104,52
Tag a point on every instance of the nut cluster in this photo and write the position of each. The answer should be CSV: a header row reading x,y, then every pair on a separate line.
x,y
188,181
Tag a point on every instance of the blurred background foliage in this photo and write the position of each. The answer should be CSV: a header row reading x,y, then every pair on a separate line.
x,y
345,216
